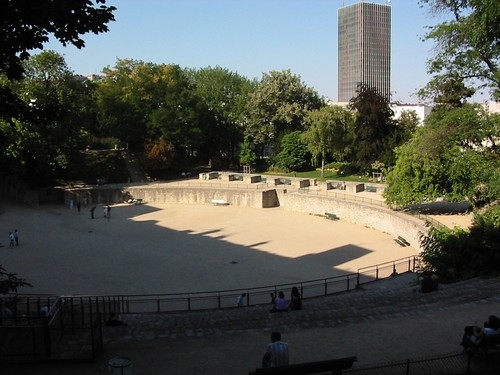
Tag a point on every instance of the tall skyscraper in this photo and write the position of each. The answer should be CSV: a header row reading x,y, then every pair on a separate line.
x,y
364,49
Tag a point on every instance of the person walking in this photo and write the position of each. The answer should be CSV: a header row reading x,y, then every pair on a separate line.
x,y
11,239
277,353
16,237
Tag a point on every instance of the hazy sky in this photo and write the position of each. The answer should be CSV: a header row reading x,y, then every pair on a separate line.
x,y
251,37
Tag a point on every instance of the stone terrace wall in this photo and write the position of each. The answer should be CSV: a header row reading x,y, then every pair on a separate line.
x,y
379,218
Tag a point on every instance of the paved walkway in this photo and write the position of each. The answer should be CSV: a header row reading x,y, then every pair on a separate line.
x,y
384,321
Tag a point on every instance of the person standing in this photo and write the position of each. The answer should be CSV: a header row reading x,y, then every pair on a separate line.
x,y
16,237
277,353
11,239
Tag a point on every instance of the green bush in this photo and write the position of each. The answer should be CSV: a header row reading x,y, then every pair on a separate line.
x,y
457,254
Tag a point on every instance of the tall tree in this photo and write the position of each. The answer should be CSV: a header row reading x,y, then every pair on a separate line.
x,y
467,43
138,101
451,158
329,132
374,128
278,106
25,26
225,97
293,154
42,143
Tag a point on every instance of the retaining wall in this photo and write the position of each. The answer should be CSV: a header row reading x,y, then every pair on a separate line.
x,y
379,218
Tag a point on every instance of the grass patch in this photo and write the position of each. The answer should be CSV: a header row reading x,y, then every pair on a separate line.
x,y
327,175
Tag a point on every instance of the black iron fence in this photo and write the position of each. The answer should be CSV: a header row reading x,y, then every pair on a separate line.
x,y
40,327
453,363
79,310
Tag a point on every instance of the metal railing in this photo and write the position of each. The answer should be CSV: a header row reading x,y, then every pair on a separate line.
x,y
221,299
436,365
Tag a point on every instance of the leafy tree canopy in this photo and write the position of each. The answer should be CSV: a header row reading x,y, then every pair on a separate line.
x,y
42,141
224,95
456,254
467,44
453,157
374,128
26,25
278,106
10,282
293,154
329,133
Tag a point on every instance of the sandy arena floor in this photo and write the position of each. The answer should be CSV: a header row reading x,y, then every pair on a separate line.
x,y
178,248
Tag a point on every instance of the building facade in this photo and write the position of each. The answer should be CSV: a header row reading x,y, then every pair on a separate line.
x,y
364,49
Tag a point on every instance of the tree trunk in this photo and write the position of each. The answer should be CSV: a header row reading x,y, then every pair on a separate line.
x,y
322,163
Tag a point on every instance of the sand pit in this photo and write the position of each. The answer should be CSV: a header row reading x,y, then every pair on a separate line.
x,y
146,249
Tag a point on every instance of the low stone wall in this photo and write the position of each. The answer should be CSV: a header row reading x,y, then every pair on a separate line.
x,y
379,218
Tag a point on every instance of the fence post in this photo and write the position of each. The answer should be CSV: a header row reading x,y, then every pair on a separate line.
x,y
189,303
158,304
218,301
376,273
326,288
407,367
357,280
348,282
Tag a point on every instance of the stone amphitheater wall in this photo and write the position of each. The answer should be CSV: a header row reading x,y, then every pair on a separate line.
x,y
377,217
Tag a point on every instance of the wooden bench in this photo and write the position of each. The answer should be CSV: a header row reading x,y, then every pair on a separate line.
x,y
401,239
333,366
399,242
219,202
331,216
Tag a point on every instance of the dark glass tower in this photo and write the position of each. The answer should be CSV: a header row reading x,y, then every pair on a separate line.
x,y
364,49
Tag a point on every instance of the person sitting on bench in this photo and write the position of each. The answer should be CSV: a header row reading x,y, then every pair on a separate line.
x,y
277,353
280,303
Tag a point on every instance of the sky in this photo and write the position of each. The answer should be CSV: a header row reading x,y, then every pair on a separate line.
x,y
251,37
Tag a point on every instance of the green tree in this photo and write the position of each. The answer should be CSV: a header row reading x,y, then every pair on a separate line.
x,y
456,254
374,128
141,102
451,157
468,43
407,123
293,154
224,95
329,132
278,106
43,142
27,25
10,282
247,154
